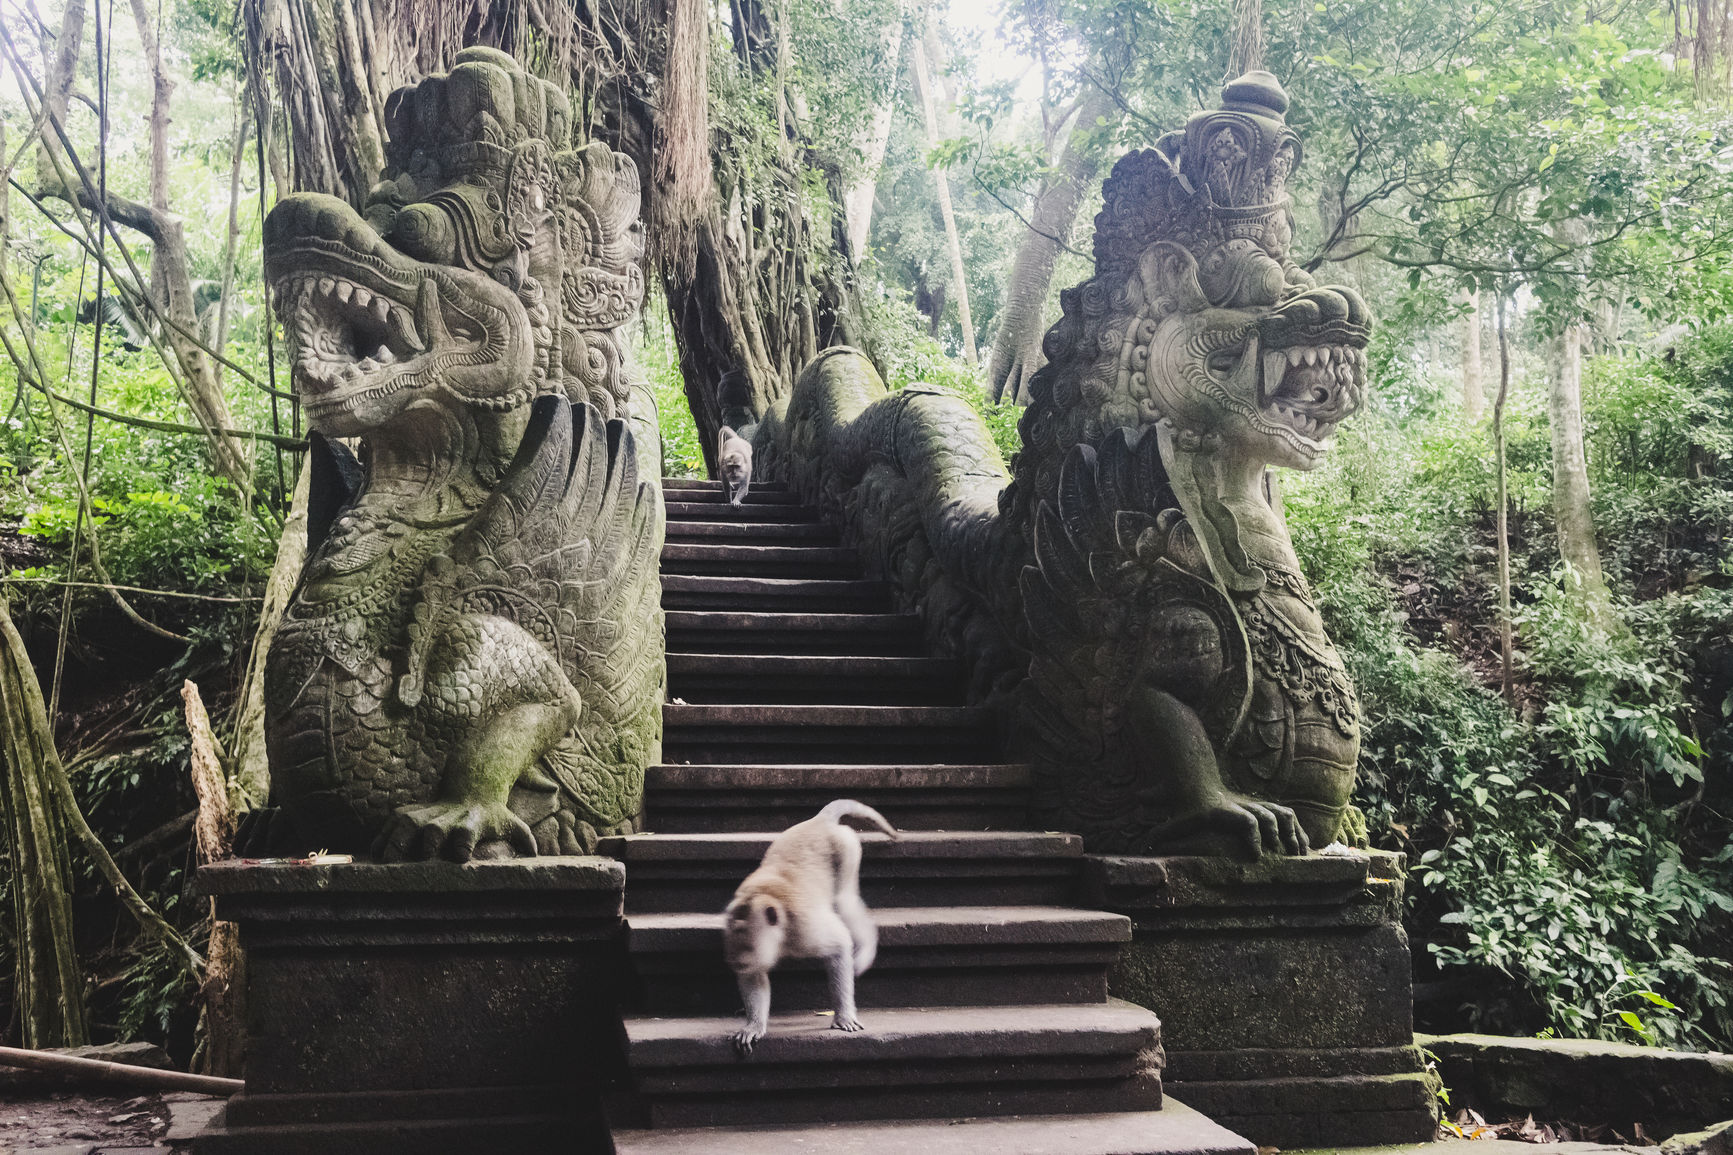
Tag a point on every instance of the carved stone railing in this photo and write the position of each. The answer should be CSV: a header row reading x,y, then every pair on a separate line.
x,y
1127,592
914,478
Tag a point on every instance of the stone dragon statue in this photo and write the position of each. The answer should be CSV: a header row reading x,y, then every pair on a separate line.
x,y
1157,647
471,663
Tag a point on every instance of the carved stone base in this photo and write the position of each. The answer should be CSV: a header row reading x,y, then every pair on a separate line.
x,y
1284,992
423,1007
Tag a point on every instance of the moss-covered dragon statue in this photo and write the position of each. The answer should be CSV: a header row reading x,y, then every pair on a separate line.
x,y
1129,591
472,661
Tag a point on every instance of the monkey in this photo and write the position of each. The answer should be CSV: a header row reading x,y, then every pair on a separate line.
x,y
803,901
734,462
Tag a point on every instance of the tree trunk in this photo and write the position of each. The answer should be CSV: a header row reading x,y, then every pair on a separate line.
x,y
1473,388
47,982
222,1017
220,338
1572,512
1506,636
1246,53
959,274
161,93
858,201
1710,59
57,82
250,769
1017,346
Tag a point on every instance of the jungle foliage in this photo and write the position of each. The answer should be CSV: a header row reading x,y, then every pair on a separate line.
x,y
1571,837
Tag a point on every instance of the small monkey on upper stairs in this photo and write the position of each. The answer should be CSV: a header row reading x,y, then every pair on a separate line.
x,y
734,463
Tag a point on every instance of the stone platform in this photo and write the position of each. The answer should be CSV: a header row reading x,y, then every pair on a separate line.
x,y
1284,992
423,1007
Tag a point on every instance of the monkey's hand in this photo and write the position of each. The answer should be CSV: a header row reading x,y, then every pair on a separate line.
x,y
746,1037
846,1023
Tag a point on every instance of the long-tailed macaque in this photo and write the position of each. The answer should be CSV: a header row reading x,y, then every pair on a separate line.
x,y
803,901
734,462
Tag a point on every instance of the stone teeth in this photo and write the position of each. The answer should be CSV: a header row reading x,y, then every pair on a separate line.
x,y
1311,356
344,291
403,328
1294,356
385,356
327,285
381,308
1325,355
362,297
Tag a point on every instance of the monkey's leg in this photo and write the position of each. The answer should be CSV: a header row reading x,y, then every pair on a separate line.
x,y
863,933
861,928
840,968
755,993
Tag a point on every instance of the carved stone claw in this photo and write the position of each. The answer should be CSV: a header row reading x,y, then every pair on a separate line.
x,y
1258,827
745,1039
451,830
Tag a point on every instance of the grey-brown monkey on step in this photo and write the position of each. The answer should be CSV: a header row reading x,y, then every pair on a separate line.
x,y
734,463
803,901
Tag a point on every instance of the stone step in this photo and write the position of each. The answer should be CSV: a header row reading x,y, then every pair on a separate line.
x,y
757,632
765,494
719,734
710,592
923,1062
721,511
707,799
928,956
1174,1130
754,532
699,872
808,678
777,561
706,485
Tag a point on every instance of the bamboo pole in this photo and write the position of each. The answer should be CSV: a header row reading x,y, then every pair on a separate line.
x,y
102,1071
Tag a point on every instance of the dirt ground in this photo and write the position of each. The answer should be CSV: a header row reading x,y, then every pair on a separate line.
x,y
72,1123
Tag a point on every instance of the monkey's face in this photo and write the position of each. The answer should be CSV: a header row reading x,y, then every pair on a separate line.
x,y
753,934
737,464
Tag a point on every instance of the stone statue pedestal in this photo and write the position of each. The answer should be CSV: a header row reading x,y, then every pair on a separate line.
x,y
1284,990
423,1007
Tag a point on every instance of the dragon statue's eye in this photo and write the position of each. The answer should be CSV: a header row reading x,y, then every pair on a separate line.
x,y
1223,361
424,232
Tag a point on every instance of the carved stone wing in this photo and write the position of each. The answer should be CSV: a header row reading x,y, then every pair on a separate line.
x,y
1119,598
567,547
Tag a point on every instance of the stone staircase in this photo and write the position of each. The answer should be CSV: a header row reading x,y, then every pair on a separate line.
x,y
792,682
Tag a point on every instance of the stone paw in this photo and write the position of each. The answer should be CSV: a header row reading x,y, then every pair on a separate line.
x,y
847,1023
451,830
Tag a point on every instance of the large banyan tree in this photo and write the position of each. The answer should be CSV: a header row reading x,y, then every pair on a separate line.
x,y
746,235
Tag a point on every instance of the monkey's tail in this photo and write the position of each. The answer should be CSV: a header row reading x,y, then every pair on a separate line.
x,y
849,808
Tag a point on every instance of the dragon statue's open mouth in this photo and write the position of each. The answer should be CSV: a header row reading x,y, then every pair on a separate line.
x,y
1315,387
368,323
349,339
1313,351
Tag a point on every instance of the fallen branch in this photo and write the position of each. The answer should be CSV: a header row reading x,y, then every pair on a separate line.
x,y
47,581
102,1071
165,836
